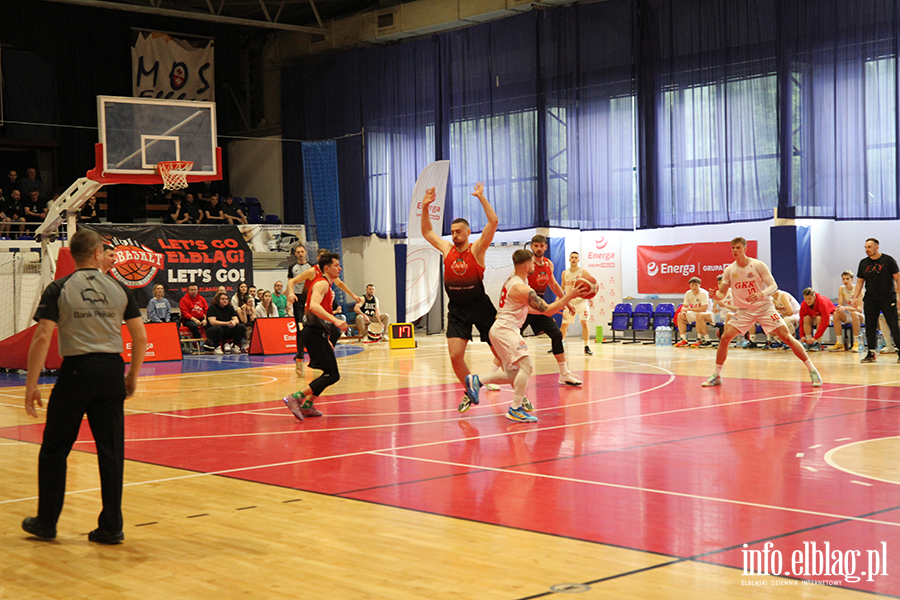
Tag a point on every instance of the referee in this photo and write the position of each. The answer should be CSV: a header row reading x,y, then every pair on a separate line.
x,y
88,308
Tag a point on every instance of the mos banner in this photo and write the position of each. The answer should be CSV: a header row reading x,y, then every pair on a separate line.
x,y
176,256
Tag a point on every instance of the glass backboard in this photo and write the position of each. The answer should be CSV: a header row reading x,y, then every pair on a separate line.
x,y
137,133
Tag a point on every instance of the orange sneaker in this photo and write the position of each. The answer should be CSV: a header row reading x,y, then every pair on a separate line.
x,y
681,343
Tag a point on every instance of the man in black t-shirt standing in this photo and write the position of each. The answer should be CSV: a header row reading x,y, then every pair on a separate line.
x,y
880,275
87,307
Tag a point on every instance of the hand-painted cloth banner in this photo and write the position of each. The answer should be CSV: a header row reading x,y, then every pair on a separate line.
x,y
170,68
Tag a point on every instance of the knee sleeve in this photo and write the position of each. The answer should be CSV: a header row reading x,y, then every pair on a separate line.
x,y
556,341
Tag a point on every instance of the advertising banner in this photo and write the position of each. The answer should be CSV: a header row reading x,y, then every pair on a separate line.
x,y
275,335
162,342
601,255
423,262
166,67
176,256
667,269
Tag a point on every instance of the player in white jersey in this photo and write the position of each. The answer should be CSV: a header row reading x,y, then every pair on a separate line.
x,y
752,287
789,309
516,298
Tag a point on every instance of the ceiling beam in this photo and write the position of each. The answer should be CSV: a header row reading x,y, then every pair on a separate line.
x,y
181,14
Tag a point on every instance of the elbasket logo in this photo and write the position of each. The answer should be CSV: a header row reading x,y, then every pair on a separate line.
x,y
600,243
136,264
652,269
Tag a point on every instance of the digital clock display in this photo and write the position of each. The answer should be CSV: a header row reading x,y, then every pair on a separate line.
x,y
403,335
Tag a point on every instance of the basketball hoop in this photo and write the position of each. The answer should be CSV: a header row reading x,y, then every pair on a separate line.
x,y
174,173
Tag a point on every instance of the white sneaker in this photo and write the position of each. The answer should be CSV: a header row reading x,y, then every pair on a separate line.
x,y
492,387
236,349
569,379
218,350
227,347
245,348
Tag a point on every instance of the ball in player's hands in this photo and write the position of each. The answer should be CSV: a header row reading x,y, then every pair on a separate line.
x,y
585,288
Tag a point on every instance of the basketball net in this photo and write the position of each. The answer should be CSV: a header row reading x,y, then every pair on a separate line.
x,y
174,173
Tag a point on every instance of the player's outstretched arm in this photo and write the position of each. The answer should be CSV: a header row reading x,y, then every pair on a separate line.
x,y
442,246
304,276
479,248
346,288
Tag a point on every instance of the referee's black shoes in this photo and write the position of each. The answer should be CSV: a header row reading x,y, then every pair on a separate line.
x,y
100,536
37,529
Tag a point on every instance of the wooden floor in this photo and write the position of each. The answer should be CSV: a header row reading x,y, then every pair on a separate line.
x,y
642,484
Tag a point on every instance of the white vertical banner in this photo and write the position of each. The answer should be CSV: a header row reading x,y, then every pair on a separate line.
x,y
601,255
166,67
423,262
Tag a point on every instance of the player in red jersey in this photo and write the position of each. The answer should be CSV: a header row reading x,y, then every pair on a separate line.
x,y
541,279
464,281
320,324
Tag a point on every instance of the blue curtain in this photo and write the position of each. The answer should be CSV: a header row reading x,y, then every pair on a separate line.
x,y
401,87
619,115
843,90
322,195
491,89
709,114
587,70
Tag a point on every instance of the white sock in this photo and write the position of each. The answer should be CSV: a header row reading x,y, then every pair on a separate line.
x,y
719,368
809,365
563,367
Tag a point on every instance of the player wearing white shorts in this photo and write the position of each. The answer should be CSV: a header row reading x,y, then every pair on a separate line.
x,y
516,298
752,286
695,309
580,306
789,309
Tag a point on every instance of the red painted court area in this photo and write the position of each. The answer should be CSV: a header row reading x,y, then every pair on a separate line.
x,y
648,462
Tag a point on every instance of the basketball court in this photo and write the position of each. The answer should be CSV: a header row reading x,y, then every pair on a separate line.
x,y
640,484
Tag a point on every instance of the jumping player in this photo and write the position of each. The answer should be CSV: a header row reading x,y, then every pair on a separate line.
x,y
320,322
540,278
517,300
464,282
752,286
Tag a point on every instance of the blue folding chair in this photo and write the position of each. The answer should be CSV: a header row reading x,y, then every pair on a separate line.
x,y
640,321
621,319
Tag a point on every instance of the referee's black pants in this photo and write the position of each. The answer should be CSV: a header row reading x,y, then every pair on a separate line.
x,y
92,384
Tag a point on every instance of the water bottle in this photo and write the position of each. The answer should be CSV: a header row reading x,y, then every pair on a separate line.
x,y
881,343
668,336
861,341
739,340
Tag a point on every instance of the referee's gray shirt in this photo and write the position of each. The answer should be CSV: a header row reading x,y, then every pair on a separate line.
x,y
88,308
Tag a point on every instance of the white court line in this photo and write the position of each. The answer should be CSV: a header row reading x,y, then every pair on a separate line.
x,y
861,483
492,415
813,469
816,446
388,450
829,458
640,489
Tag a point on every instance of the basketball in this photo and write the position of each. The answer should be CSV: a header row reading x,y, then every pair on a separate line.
x,y
587,290
132,270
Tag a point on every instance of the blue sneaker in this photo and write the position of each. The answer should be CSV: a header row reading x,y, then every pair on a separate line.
x,y
520,416
473,384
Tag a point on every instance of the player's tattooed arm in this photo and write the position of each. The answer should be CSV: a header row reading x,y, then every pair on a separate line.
x,y
535,302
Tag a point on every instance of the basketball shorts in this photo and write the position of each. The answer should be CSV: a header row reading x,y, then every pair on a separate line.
x,y
460,322
582,308
767,317
691,316
509,346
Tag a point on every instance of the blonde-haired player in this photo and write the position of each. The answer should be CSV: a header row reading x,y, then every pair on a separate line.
x,y
752,286
516,298
847,311
580,306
